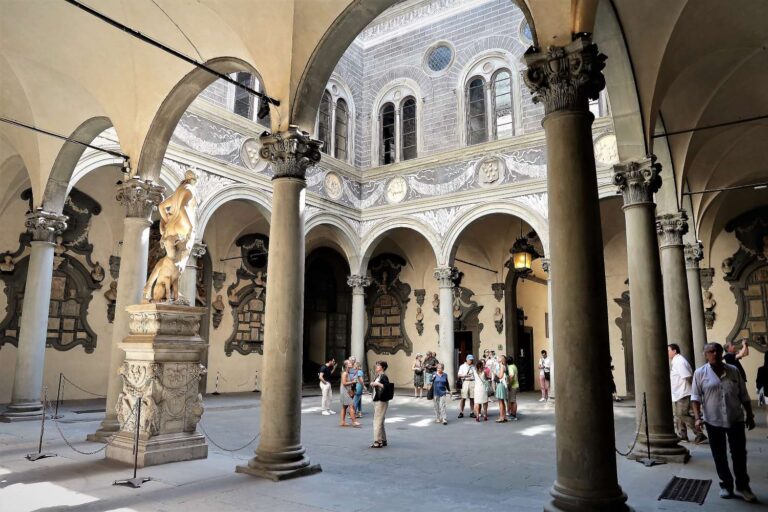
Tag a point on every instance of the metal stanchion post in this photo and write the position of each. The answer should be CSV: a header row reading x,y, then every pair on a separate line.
x,y
648,462
32,457
256,382
135,482
216,388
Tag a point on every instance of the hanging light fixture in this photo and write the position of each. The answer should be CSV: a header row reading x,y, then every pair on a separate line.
x,y
523,254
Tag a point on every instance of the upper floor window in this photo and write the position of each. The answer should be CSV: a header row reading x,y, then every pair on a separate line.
x,y
477,122
335,121
238,100
244,99
408,131
324,123
398,134
490,109
341,130
387,136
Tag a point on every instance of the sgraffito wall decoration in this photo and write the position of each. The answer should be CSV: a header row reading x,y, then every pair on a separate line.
x,y
387,299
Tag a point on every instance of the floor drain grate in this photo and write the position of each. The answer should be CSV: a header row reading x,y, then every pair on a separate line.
x,y
686,489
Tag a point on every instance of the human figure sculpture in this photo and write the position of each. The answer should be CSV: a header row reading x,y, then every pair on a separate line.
x,y
7,264
178,222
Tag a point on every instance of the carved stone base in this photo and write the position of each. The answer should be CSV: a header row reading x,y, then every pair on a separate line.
x,y
161,449
664,448
22,411
162,371
109,427
277,468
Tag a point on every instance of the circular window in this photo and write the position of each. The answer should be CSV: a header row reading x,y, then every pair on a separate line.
x,y
525,32
439,58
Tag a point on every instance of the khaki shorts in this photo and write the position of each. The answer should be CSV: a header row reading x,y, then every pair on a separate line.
x,y
512,394
468,389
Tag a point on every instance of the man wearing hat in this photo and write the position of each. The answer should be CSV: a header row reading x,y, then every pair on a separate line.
x,y
467,376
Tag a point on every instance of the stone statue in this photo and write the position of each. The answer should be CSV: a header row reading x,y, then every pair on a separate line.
x,y
727,266
709,301
97,274
436,303
7,265
218,311
178,220
498,320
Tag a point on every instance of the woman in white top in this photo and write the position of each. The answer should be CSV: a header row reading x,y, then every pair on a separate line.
x,y
481,392
545,366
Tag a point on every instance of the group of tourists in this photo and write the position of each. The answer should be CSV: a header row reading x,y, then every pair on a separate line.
x,y
715,398
489,377
351,392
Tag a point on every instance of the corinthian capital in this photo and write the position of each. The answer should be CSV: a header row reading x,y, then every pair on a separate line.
x,y
291,152
694,253
445,276
198,250
44,226
565,77
671,227
637,181
358,282
139,197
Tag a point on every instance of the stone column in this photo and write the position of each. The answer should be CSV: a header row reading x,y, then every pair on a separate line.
x,y
564,79
188,280
671,227
546,265
139,198
30,356
694,253
358,283
280,454
445,277
637,182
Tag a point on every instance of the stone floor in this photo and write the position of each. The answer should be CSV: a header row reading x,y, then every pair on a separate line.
x,y
462,466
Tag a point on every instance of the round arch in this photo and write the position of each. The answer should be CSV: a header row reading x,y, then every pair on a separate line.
x,y
58,184
344,238
536,221
372,239
173,107
248,193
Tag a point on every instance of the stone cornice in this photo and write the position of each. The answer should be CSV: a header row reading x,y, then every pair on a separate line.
x,y
671,227
139,197
694,253
45,226
291,152
565,77
638,180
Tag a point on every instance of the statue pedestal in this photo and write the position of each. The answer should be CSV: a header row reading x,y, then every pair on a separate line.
x,y
162,367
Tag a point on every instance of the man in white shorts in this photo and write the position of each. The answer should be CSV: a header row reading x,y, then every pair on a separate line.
x,y
467,376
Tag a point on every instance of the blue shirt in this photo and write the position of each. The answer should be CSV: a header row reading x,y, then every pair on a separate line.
x,y
440,384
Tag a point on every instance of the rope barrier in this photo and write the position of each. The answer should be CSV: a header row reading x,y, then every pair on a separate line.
x,y
637,436
109,441
217,445
66,379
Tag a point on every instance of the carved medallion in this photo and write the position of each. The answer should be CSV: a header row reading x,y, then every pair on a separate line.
x,y
489,171
249,152
333,185
606,150
397,189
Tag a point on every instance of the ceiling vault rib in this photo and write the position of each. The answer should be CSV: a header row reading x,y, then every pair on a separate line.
x,y
712,126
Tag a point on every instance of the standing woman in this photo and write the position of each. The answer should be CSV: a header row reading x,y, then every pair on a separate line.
x,y
441,389
545,365
359,385
347,393
512,388
481,391
380,404
418,377
501,379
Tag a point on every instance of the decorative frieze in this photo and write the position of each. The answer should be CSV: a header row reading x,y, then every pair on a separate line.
x,y
671,227
638,180
45,226
139,197
565,77
291,152
694,253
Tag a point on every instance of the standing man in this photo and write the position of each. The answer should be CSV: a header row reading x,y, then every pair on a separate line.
x,y
680,377
733,356
430,367
719,397
545,367
467,377
324,375
381,400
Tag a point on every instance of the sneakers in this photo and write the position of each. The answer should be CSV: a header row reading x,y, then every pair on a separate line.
x,y
461,415
326,413
471,415
542,399
513,418
748,496
445,422
331,411
726,494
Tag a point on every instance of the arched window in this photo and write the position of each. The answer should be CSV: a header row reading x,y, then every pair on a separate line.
x,y
341,130
504,122
477,121
408,130
244,99
324,123
387,137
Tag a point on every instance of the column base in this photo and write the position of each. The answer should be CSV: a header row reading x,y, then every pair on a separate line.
x,y
109,427
664,448
22,411
292,463
568,500
160,449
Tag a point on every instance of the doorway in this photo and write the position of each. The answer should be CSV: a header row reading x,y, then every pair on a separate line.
x,y
525,358
463,347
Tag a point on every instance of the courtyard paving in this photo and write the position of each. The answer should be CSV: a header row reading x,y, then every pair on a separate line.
x,y
427,467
